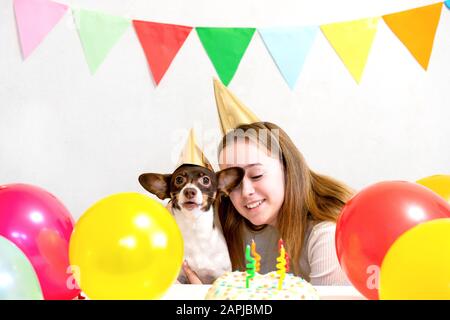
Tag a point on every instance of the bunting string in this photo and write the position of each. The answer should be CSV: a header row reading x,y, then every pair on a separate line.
x,y
289,47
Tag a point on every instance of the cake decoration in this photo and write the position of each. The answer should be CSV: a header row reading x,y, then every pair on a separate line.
x,y
251,285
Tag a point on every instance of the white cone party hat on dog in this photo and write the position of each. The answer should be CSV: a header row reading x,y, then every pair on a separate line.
x,y
192,154
232,112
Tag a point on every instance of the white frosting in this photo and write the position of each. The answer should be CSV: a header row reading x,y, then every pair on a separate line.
x,y
232,286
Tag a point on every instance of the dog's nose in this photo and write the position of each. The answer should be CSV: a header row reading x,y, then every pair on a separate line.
x,y
190,193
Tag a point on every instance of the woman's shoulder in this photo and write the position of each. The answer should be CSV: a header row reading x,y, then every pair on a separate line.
x,y
320,227
319,237
319,234
322,262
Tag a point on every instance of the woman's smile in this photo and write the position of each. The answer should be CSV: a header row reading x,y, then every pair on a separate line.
x,y
254,205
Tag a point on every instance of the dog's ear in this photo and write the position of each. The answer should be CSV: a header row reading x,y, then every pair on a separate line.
x,y
229,178
158,184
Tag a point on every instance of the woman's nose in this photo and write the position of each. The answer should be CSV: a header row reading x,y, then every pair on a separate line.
x,y
247,187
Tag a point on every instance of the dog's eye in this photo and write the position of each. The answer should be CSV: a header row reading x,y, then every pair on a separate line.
x,y
205,181
179,180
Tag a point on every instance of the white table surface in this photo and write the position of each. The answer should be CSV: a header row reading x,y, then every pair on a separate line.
x,y
198,292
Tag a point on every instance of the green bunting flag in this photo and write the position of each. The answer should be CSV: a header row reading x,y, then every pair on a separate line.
x,y
225,48
98,32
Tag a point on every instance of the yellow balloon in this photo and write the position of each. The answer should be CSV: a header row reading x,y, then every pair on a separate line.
x,y
439,184
126,246
417,265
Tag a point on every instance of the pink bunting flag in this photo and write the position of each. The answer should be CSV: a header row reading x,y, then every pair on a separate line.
x,y
35,19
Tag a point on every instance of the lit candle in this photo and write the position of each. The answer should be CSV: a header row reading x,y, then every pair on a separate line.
x,y
250,267
256,256
281,243
281,267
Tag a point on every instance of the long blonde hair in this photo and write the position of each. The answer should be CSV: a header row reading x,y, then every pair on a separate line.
x,y
308,196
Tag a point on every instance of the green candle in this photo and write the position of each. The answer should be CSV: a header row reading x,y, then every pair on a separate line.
x,y
251,266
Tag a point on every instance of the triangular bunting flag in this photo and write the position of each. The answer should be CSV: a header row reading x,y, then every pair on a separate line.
x,y
161,43
225,47
98,32
447,4
352,41
289,48
35,19
416,29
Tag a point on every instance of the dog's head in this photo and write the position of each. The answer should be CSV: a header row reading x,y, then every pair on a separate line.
x,y
191,187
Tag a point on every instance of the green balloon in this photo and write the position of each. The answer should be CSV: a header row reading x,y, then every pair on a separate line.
x,y
18,281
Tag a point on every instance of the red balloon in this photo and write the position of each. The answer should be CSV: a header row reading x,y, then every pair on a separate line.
x,y
40,225
373,219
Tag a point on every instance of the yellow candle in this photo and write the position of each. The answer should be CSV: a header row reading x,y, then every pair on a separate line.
x,y
281,267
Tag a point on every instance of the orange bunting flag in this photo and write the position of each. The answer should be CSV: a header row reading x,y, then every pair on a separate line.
x,y
161,43
416,29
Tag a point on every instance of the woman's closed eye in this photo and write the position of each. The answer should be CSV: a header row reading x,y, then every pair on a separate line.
x,y
257,177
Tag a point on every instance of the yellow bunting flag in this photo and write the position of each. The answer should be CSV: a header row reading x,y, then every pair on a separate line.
x,y
416,29
352,41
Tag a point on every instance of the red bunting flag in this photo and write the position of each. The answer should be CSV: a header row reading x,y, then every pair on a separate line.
x,y
161,43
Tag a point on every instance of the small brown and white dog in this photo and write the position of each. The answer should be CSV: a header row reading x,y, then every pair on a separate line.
x,y
193,190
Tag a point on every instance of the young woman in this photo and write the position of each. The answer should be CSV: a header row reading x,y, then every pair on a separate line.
x,y
279,197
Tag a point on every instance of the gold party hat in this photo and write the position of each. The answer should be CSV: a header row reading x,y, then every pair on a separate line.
x,y
192,154
232,112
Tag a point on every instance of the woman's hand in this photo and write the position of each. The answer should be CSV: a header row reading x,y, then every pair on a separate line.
x,y
191,275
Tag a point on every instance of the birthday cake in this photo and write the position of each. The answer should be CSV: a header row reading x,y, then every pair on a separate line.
x,y
251,285
232,286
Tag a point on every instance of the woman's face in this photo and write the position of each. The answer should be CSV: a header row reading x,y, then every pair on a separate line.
x,y
261,193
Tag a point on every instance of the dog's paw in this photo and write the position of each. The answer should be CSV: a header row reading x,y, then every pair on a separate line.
x,y
208,279
183,279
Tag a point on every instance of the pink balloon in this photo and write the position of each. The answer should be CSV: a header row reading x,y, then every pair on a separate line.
x,y
39,224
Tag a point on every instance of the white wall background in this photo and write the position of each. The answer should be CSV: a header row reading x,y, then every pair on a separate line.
x,y
84,137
